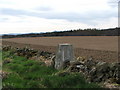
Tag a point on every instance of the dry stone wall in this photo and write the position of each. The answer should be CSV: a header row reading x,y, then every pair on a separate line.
x,y
94,71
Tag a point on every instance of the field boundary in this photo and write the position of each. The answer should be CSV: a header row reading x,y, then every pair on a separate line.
x,y
103,55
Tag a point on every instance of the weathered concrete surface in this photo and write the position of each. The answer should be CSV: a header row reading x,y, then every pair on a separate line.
x,y
64,55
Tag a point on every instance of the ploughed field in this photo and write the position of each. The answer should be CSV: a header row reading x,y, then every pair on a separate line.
x,y
103,48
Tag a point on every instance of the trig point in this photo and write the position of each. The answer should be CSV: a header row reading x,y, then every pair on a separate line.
x,y
64,55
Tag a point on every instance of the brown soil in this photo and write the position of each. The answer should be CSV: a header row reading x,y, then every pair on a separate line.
x,y
103,48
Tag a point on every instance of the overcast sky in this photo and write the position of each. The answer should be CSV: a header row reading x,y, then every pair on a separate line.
x,y
26,16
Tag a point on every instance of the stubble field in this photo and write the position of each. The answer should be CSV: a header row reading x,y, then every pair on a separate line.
x,y
103,48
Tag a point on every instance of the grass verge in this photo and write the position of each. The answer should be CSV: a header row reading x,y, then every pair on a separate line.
x,y
25,73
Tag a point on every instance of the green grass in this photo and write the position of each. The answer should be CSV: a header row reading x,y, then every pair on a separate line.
x,y
26,73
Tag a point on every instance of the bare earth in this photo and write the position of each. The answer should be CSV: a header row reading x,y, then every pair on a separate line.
x,y
103,48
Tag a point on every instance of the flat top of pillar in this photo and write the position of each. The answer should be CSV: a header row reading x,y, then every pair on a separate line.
x,y
65,44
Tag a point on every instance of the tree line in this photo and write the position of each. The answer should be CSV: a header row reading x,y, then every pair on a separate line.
x,y
77,32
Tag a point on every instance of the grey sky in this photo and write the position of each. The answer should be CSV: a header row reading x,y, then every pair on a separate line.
x,y
24,16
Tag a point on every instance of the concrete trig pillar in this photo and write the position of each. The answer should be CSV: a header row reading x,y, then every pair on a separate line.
x,y
64,55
